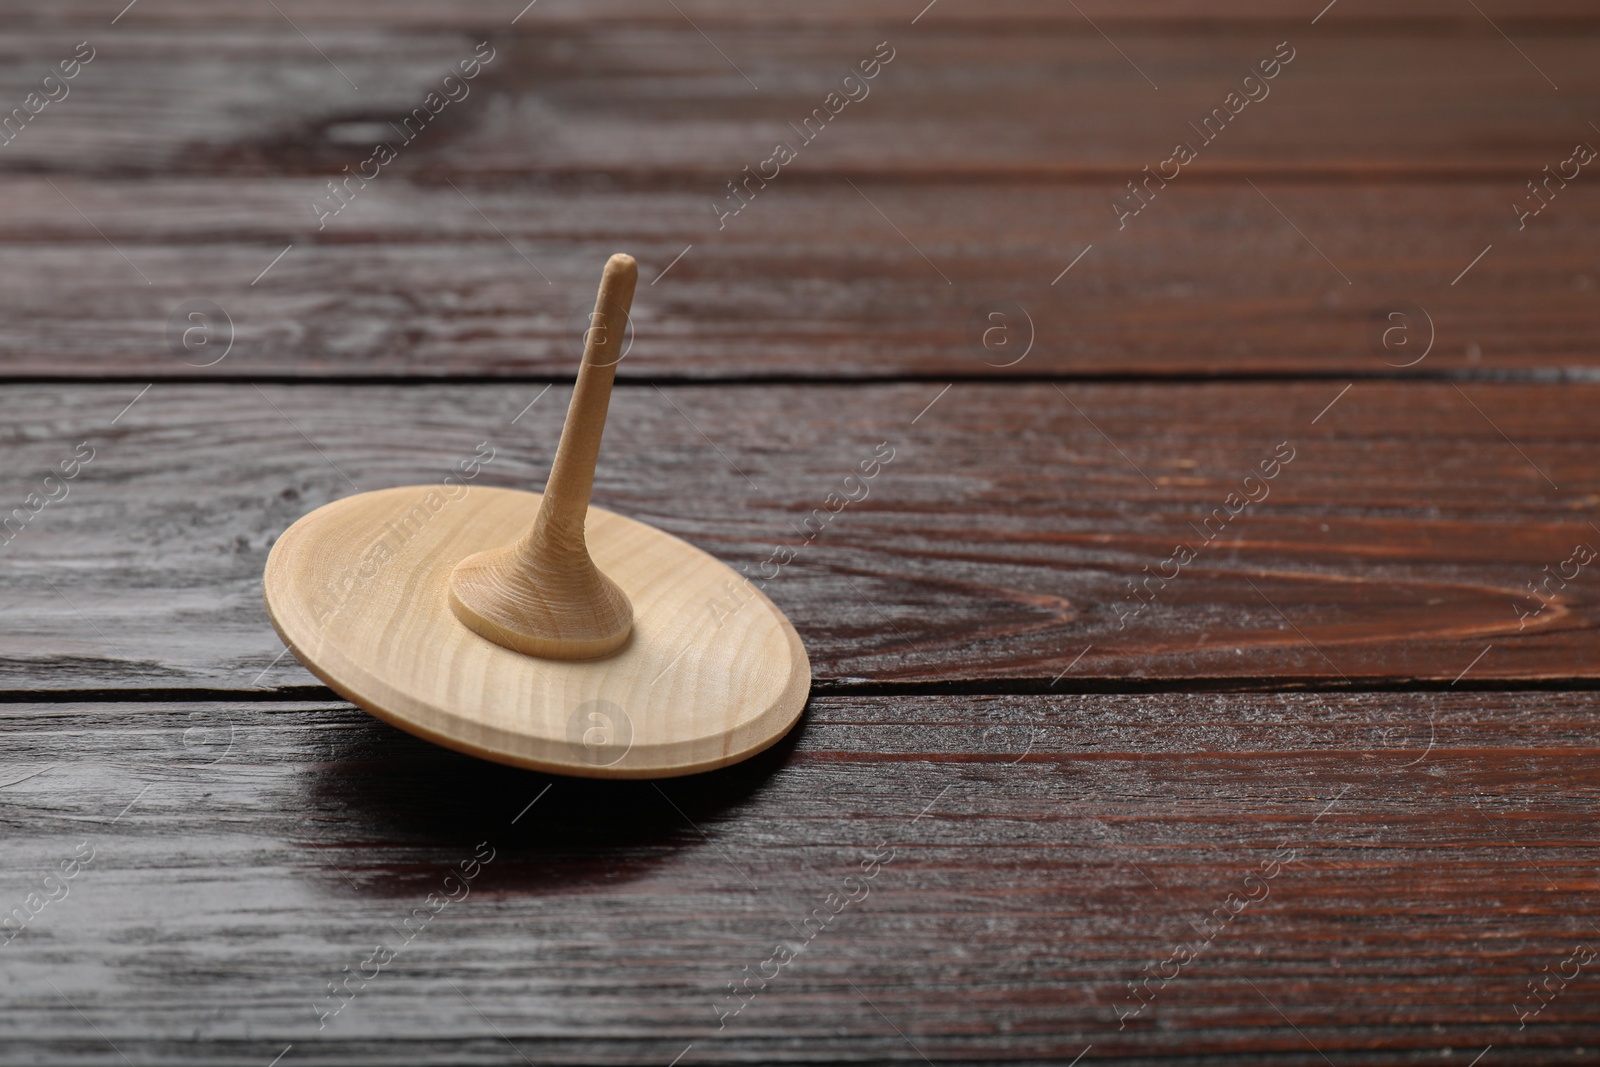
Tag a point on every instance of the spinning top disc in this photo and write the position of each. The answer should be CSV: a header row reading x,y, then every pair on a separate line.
x,y
712,672
533,629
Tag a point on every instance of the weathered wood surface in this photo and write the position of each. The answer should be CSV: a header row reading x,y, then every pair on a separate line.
x,y
634,102
998,544
779,14
1044,851
1058,830
809,282
1388,155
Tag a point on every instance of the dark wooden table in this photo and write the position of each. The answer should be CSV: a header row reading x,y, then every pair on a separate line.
x,y
1208,677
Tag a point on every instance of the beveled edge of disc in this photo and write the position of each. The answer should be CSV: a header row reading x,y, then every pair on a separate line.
x,y
775,722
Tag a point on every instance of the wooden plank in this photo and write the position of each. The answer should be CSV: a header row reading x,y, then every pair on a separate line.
x,y
810,281
632,102
1036,854
1001,542
1511,14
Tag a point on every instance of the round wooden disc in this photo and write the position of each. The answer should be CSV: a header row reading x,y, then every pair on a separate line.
x,y
713,672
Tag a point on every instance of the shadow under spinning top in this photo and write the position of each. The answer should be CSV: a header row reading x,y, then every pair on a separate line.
x,y
535,630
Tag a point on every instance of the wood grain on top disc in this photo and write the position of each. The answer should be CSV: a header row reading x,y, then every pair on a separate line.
x,y
713,672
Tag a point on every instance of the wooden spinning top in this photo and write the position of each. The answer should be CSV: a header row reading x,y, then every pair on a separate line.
x,y
533,629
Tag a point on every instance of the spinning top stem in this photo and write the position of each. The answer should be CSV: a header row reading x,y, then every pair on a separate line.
x,y
543,595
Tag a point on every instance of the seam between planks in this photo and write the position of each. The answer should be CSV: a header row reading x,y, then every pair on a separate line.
x,y
997,687
1530,376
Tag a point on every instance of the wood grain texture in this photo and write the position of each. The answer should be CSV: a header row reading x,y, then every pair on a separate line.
x,y
634,101
809,282
781,14
1050,800
998,536
1040,852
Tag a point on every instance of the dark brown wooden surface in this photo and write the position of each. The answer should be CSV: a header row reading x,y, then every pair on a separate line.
x,y
1071,784
643,100
997,544
986,158
1045,849
477,14
810,283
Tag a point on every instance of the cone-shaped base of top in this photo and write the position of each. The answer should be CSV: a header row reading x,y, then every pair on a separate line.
x,y
556,605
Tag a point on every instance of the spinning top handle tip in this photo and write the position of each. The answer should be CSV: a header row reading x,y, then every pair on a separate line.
x,y
566,499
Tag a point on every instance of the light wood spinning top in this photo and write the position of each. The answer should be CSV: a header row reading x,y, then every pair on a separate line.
x,y
533,629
